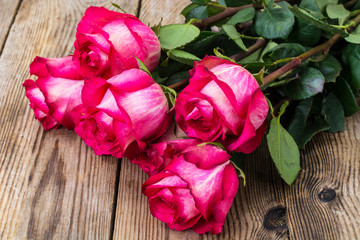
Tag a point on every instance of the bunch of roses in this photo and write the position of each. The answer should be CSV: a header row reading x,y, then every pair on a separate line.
x,y
118,109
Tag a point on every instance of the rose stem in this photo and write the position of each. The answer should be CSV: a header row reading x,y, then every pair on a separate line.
x,y
224,14
179,85
350,3
296,61
241,55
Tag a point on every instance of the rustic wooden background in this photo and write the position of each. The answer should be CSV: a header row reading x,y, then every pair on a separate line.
x,y
52,186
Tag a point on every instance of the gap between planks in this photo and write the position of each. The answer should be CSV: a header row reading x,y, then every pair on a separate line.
x,y
10,26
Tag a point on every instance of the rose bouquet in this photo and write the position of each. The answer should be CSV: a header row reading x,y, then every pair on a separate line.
x,y
186,102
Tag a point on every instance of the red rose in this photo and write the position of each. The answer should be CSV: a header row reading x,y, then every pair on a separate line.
x,y
107,41
56,92
195,190
223,102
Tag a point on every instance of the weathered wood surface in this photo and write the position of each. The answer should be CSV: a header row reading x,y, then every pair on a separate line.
x,y
51,185
54,187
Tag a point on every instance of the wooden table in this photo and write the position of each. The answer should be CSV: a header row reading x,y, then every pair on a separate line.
x,y
52,186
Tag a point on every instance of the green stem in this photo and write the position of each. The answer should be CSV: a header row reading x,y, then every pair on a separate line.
x,y
282,82
250,37
179,85
350,4
241,55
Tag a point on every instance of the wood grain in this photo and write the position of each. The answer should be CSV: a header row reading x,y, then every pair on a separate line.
x,y
7,16
152,11
51,185
324,202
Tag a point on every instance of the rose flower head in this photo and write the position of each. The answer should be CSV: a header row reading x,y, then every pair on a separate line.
x,y
159,154
223,102
195,190
56,92
107,43
119,116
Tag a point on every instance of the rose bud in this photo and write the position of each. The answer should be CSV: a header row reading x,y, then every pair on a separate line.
x,y
107,41
56,91
223,102
159,154
195,190
119,116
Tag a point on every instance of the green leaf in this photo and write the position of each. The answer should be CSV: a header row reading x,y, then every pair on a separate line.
x,y
310,19
286,50
346,97
214,8
268,3
337,11
241,172
200,2
270,106
118,7
203,44
220,55
283,108
231,31
330,68
356,6
142,66
260,76
310,82
170,95
322,4
311,130
156,28
157,78
242,16
188,9
182,56
298,119
354,36
305,34
177,35
274,22
334,113
236,3
351,58
283,151
217,144
200,12
310,5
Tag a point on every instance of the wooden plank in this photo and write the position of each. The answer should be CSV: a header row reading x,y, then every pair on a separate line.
x,y
8,12
152,11
324,202
51,185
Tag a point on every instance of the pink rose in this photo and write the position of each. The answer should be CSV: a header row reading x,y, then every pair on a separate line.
x,y
121,114
107,41
159,154
223,102
195,190
56,91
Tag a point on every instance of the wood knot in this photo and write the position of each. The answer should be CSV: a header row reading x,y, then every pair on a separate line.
x,y
327,194
275,219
